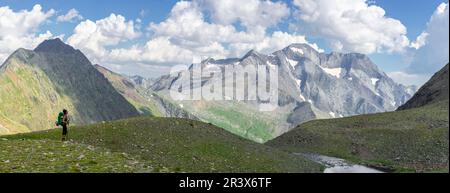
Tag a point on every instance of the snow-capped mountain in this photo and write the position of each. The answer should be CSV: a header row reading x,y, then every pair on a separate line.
x,y
311,85
339,84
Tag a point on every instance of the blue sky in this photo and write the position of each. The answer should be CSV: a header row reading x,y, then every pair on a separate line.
x,y
413,15
154,11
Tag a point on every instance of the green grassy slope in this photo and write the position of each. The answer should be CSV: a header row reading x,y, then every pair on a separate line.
x,y
415,140
53,156
29,101
236,117
144,105
177,145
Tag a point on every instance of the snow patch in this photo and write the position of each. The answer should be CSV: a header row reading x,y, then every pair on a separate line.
x,y
297,50
376,93
271,65
336,72
374,81
181,105
298,82
210,65
293,63
302,97
332,114
350,78
310,101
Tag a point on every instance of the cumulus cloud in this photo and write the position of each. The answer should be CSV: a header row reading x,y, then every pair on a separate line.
x,y
253,14
430,52
351,25
93,37
158,50
420,40
186,27
434,52
199,28
19,29
277,41
70,16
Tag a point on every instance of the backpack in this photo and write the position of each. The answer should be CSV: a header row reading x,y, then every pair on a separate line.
x,y
59,121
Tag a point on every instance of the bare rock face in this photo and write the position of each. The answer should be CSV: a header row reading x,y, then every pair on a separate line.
x,y
435,90
340,84
311,85
96,99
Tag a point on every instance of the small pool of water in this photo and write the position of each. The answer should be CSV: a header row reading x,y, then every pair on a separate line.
x,y
337,165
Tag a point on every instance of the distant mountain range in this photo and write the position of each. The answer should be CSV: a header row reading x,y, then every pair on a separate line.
x,y
133,89
37,84
312,85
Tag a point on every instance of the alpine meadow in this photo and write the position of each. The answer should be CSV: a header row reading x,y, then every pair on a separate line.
x,y
224,87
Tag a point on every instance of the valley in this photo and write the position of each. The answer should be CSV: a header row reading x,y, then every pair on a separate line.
x,y
312,85
413,139
340,107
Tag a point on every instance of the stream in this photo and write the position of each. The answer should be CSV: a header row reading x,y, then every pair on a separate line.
x,y
337,165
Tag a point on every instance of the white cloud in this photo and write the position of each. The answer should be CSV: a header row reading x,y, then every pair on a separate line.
x,y
430,51
187,27
277,41
18,29
158,50
351,25
93,37
197,28
70,16
253,14
420,40
434,53
189,32
408,78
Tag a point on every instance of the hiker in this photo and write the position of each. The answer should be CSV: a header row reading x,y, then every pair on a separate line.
x,y
63,120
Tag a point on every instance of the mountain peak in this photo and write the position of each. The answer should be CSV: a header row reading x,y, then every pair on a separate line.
x,y
299,49
301,46
208,60
252,53
20,54
54,45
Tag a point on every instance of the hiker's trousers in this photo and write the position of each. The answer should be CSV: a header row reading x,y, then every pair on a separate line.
x,y
64,127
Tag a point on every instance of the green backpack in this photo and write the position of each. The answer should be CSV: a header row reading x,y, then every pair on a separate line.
x,y
60,119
